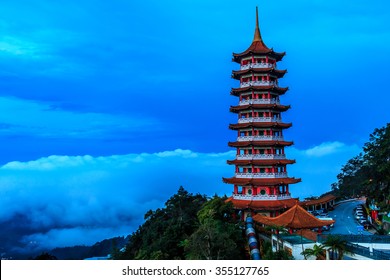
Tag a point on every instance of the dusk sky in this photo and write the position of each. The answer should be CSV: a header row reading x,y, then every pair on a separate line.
x,y
107,107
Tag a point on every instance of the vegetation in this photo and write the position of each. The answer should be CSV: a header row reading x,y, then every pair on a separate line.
x,y
337,247
268,254
368,173
318,251
188,227
45,256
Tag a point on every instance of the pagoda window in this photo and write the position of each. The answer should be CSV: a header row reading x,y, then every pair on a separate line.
x,y
262,170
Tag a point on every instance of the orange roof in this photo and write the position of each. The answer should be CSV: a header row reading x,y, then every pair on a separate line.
x,y
262,204
260,181
324,199
296,218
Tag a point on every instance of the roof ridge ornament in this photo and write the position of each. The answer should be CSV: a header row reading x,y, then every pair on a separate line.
x,y
257,36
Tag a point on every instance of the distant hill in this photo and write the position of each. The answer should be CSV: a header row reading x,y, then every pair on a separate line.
x,y
102,248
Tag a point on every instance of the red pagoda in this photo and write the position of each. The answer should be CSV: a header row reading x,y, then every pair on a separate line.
x,y
261,183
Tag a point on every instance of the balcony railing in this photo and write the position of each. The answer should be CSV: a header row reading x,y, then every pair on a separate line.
x,y
261,156
261,197
259,119
259,101
258,83
262,175
260,138
256,65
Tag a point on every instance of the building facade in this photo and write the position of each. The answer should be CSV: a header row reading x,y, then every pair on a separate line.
x,y
261,182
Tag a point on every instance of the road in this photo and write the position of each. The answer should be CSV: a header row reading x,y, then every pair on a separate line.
x,y
344,216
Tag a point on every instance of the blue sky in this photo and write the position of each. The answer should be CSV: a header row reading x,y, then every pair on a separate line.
x,y
122,96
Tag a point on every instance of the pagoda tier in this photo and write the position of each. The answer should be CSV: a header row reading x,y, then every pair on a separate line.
x,y
277,107
262,162
256,123
263,71
258,48
262,205
239,143
260,180
258,87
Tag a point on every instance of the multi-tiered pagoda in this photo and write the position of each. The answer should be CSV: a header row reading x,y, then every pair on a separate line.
x,y
261,183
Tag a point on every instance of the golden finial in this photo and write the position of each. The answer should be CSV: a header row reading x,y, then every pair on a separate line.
x,y
257,30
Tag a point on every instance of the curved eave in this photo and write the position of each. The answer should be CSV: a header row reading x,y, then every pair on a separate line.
x,y
281,108
261,181
241,162
259,125
258,47
262,204
278,90
277,73
271,143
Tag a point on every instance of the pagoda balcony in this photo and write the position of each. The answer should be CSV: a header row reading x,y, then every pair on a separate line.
x,y
261,197
256,65
259,119
259,101
261,156
258,83
260,138
262,175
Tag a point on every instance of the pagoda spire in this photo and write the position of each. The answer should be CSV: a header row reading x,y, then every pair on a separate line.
x,y
257,36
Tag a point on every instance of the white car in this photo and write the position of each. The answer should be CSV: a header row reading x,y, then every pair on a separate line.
x,y
358,217
362,221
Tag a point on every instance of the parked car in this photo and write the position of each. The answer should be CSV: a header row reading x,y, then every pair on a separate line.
x,y
358,217
366,225
362,220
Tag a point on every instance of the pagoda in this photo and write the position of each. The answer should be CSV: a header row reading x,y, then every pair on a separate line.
x,y
261,183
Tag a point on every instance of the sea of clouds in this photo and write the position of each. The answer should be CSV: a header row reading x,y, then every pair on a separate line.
x,y
61,201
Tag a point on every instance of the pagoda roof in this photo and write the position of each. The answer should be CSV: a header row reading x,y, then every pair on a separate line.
x,y
258,46
295,218
278,73
267,143
261,181
271,88
281,108
261,161
259,125
262,204
324,199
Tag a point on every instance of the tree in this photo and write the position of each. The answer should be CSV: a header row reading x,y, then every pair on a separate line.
x,y
218,237
337,246
46,256
318,251
368,173
268,254
165,229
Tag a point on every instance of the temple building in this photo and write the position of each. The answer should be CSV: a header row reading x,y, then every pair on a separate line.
x,y
261,182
